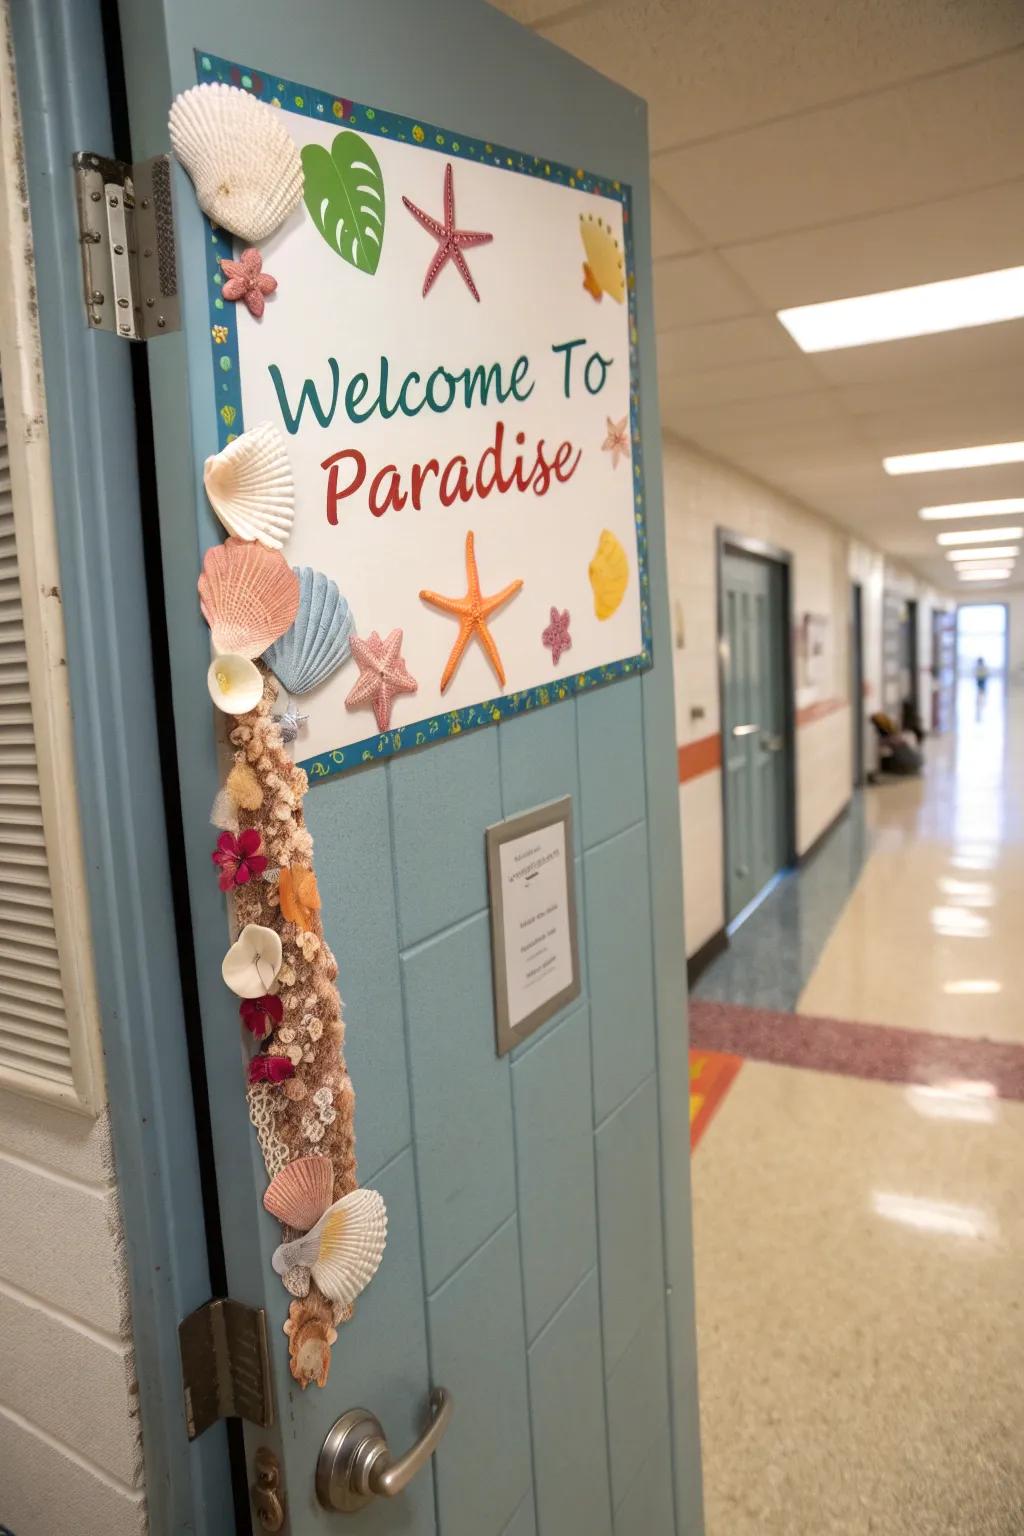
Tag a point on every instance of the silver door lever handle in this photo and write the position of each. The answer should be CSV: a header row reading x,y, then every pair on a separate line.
x,y
745,730
355,1464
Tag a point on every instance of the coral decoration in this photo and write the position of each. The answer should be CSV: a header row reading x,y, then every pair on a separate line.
x,y
451,242
238,858
298,895
311,1332
244,787
270,1069
258,1014
472,612
247,281
300,1096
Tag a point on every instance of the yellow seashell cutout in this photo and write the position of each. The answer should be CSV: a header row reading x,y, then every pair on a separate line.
x,y
609,575
604,270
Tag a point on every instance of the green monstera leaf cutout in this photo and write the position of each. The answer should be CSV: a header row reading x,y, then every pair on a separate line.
x,y
344,192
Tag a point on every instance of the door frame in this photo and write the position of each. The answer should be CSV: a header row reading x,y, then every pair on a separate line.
x,y
727,541
61,72
857,680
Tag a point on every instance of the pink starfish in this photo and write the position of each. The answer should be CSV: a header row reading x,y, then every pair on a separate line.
x,y
246,280
382,675
557,637
450,241
617,440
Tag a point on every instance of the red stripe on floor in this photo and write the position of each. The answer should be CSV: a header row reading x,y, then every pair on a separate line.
x,y
711,1076
878,1051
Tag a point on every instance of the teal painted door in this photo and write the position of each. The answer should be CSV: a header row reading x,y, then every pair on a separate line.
x,y
539,1260
753,726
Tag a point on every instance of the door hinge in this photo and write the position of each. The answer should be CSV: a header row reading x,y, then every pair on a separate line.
x,y
225,1365
126,231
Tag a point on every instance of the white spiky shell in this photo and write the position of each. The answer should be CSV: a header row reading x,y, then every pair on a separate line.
x,y
300,1194
251,486
235,684
343,1251
243,163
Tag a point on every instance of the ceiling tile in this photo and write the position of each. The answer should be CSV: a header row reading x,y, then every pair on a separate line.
x,y
921,357
692,348
933,138
689,289
975,232
713,66
744,381
923,389
671,235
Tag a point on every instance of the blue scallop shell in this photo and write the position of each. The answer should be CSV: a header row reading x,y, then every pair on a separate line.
x,y
318,641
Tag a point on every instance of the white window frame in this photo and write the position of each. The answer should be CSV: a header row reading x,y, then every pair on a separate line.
x,y
45,640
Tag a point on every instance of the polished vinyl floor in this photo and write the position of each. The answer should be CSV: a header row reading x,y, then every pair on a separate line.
x,y
859,1215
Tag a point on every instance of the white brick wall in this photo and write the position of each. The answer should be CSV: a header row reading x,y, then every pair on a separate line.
x,y
70,1445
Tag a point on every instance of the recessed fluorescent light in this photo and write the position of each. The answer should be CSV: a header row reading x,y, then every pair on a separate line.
x,y
991,552
979,536
996,575
973,509
954,458
983,299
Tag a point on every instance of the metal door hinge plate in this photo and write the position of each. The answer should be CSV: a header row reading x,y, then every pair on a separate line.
x,y
126,231
225,1365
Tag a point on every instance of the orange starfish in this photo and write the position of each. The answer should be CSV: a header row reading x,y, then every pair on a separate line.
x,y
472,612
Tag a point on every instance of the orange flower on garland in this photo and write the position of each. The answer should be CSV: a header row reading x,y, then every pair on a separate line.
x,y
298,894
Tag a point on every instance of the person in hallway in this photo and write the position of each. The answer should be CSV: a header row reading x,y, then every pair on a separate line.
x,y
980,680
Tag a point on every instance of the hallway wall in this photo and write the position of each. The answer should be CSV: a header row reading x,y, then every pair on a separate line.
x,y
702,495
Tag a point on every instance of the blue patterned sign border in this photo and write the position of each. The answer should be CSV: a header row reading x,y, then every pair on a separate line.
x,y
321,105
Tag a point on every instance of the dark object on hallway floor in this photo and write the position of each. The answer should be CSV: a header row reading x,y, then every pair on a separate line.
x,y
895,752
878,1051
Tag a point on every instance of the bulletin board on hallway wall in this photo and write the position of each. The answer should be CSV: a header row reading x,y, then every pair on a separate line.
x,y
451,357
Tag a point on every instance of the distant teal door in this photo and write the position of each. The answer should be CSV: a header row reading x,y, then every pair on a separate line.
x,y
754,736
539,1262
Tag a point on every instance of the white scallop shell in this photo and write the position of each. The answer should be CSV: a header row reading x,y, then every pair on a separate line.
x,y
343,1251
251,486
243,163
251,965
235,684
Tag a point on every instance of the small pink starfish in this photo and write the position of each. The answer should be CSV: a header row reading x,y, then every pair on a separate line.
x,y
382,675
450,241
617,440
246,280
557,637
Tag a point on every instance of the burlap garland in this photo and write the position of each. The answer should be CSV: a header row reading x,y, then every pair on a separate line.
x,y
312,1031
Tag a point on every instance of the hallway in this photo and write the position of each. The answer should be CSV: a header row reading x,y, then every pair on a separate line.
x,y
858,1220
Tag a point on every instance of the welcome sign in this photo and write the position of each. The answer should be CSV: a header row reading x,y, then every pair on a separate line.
x,y
450,355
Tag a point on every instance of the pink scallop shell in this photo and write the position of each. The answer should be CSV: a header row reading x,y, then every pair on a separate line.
x,y
301,1192
249,596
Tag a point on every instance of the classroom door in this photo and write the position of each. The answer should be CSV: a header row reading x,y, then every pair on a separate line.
x,y
754,735
538,1265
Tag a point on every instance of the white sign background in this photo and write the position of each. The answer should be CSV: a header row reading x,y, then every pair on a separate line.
x,y
530,280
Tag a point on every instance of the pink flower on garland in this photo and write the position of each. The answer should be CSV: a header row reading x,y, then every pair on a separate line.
x,y
259,1013
246,280
238,858
270,1069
